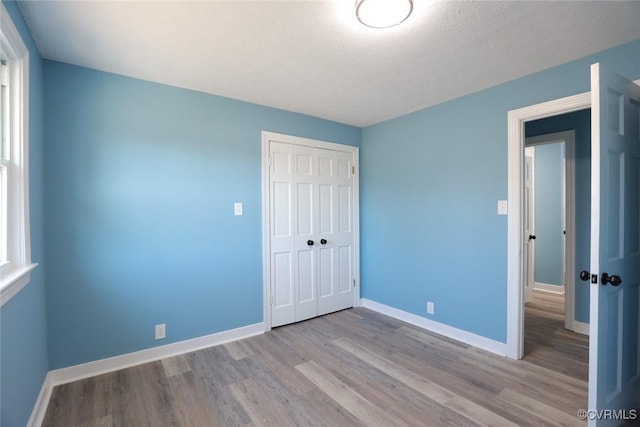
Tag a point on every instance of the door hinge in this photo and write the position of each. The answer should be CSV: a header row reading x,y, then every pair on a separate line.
x,y
271,299
4,74
353,170
269,161
354,283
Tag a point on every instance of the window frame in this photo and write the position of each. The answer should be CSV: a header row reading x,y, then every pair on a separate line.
x,y
16,272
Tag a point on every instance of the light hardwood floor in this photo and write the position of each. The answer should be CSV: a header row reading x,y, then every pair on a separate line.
x,y
547,343
351,368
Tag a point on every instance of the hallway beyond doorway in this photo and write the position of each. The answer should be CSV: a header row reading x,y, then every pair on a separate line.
x,y
547,343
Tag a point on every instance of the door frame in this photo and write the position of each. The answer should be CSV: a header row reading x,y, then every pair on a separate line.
x,y
266,218
569,191
515,152
528,212
515,244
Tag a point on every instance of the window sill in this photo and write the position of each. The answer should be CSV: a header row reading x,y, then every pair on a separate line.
x,y
12,282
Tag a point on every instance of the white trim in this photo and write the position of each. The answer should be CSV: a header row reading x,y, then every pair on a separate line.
x,y
516,120
356,227
580,327
12,34
570,232
13,283
265,162
549,288
103,366
569,200
515,151
594,261
266,225
307,142
530,253
12,274
478,341
90,369
40,408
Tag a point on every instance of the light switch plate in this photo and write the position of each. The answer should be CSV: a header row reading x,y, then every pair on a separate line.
x,y
161,331
237,208
430,307
503,207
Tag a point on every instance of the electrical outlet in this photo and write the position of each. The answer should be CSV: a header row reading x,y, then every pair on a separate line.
x,y
430,307
161,331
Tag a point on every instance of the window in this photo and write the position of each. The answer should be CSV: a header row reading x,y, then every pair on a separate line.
x,y
15,251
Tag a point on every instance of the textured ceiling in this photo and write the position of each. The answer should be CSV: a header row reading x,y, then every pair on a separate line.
x,y
313,56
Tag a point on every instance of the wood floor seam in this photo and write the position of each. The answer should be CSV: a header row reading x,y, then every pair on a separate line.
x,y
355,368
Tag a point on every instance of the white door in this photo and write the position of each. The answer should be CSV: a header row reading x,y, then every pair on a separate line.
x,y
335,231
283,266
305,214
311,239
529,232
614,348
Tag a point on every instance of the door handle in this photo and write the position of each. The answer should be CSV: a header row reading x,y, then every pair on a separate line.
x,y
532,237
310,242
613,280
323,241
585,275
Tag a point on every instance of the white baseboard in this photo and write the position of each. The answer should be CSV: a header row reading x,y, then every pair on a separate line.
x,y
546,287
580,327
91,369
103,366
40,408
484,343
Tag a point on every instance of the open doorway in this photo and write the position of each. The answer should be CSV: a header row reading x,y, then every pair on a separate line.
x,y
542,119
548,201
608,348
556,177
546,198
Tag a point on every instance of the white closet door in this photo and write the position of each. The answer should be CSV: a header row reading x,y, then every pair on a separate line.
x,y
311,208
282,242
305,219
335,230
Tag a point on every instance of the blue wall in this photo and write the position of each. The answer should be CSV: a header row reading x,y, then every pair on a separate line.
x,y
549,213
23,328
141,179
580,121
139,186
430,181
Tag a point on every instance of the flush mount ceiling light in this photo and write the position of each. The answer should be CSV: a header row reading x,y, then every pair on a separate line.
x,y
383,13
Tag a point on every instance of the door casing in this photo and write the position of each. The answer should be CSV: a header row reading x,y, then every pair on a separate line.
x,y
528,227
515,153
515,244
568,137
266,223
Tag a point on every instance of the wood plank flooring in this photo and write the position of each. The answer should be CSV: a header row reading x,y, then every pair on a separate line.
x,y
547,343
351,368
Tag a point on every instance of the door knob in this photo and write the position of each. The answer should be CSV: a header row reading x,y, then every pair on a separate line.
x,y
532,237
585,276
310,242
323,241
614,280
